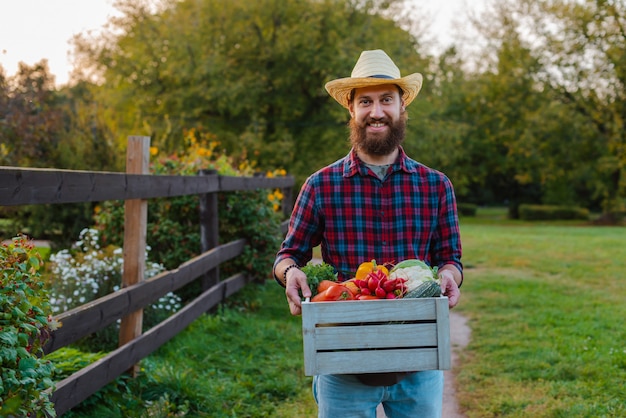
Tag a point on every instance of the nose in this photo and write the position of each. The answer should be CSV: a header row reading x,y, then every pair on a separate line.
x,y
377,111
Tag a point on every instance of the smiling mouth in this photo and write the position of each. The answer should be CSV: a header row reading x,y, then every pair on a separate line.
x,y
377,124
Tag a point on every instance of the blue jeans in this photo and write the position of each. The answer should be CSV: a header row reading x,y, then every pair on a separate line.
x,y
419,395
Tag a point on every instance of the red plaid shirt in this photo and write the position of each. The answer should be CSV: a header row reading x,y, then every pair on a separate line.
x,y
357,217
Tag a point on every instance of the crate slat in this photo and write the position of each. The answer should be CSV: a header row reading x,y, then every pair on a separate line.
x,y
376,361
354,311
376,336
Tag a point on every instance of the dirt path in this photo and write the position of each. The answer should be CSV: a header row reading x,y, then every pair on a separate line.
x,y
459,337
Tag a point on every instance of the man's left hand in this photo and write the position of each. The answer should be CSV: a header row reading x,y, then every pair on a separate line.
x,y
449,287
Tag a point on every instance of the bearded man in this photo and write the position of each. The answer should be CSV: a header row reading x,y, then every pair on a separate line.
x,y
376,203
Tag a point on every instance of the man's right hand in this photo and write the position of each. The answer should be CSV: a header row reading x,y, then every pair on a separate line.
x,y
295,285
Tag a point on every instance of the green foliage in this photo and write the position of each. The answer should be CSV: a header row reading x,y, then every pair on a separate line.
x,y
6,228
25,325
555,124
549,212
43,127
32,121
173,231
59,224
69,360
254,72
316,273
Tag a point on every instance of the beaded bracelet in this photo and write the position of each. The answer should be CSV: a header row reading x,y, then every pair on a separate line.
x,y
287,269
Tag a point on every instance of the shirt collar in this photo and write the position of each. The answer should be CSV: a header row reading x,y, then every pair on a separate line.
x,y
352,164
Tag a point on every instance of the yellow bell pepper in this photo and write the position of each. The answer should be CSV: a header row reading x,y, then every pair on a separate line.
x,y
368,267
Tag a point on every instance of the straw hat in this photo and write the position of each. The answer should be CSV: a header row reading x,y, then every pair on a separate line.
x,y
372,69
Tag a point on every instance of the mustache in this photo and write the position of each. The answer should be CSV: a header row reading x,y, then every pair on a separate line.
x,y
370,120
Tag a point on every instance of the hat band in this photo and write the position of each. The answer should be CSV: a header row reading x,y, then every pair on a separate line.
x,y
381,76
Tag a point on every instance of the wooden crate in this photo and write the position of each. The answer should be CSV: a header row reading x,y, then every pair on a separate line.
x,y
375,336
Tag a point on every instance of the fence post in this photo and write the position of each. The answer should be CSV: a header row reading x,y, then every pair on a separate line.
x,y
287,202
135,226
209,230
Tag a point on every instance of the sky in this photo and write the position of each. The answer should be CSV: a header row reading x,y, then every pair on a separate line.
x,y
31,30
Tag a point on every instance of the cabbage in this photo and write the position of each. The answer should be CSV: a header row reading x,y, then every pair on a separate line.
x,y
415,272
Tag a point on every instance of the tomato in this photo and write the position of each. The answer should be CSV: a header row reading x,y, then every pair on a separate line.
x,y
368,267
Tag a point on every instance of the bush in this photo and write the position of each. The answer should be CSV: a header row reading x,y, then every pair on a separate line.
x,y
548,212
59,223
25,326
87,272
467,209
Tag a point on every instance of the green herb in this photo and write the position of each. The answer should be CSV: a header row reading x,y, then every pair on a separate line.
x,y
316,273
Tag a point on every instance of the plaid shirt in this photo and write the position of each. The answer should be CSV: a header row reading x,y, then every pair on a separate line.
x,y
356,217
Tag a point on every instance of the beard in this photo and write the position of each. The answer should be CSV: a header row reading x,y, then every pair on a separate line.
x,y
378,144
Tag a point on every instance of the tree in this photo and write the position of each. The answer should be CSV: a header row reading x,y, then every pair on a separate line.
x,y
584,55
250,72
576,134
30,121
43,127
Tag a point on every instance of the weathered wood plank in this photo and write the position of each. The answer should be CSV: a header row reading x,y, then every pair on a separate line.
x,y
21,186
47,186
135,227
209,231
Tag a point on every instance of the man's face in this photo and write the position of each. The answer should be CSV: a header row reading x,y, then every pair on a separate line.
x,y
378,119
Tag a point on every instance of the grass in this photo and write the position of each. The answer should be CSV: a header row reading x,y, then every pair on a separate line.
x,y
544,301
245,360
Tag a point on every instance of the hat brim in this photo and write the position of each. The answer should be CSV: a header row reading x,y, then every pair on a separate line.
x,y
341,89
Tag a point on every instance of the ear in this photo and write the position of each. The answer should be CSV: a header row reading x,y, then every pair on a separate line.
x,y
351,108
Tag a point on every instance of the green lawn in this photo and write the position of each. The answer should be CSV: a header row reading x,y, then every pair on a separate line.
x,y
546,305
545,302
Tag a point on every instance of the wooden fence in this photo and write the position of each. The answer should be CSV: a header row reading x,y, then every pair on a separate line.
x,y
19,186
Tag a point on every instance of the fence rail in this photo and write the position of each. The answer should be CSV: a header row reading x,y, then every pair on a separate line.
x,y
30,186
33,186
